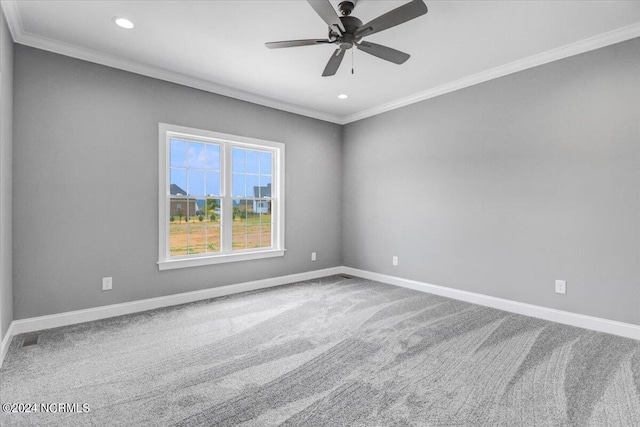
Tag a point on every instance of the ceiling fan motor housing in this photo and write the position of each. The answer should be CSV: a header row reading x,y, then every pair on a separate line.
x,y
351,25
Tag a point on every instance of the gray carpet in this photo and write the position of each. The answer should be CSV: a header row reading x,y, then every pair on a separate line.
x,y
328,352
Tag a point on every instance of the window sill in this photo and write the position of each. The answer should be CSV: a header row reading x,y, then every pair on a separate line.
x,y
218,259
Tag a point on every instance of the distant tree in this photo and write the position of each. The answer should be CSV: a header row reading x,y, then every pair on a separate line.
x,y
211,206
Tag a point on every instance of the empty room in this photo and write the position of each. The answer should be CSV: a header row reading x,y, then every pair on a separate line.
x,y
319,213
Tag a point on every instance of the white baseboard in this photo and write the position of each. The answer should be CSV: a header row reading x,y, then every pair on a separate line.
x,y
73,317
622,329
4,344
79,316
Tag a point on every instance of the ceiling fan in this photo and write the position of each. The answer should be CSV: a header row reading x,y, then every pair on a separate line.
x,y
347,31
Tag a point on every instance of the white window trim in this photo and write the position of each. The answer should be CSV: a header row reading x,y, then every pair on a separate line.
x,y
165,262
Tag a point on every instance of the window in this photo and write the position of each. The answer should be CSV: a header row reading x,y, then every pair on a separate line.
x,y
221,198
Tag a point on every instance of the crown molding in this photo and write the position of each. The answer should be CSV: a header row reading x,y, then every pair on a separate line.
x,y
12,15
20,36
23,37
586,45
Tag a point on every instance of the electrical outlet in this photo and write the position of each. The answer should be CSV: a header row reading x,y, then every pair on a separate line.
x,y
107,283
561,286
395,260
313,256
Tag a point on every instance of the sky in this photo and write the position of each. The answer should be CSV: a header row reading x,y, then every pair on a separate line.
x,y
195,167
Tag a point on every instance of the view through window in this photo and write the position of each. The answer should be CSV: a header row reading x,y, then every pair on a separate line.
x,y
221,196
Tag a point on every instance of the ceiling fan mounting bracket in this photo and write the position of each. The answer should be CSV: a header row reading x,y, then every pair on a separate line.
x,y
346,7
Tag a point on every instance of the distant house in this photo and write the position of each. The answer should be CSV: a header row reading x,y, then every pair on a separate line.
x,y
180,206
262,206
243,205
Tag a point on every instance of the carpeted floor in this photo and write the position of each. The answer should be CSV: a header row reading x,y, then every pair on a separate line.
x,y
328,352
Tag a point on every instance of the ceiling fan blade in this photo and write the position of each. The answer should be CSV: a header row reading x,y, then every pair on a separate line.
x,y
384,52
295,43
395,17
334,63
327,13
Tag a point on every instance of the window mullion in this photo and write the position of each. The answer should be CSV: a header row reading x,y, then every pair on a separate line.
x,y
275,200
164,219
227,201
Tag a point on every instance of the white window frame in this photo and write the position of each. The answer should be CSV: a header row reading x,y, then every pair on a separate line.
x,y
227,143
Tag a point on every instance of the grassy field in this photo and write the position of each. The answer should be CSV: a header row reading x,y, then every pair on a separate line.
x,y
197,237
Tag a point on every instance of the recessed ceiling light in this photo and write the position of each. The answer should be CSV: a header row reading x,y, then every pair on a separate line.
x,y
343,96
123,22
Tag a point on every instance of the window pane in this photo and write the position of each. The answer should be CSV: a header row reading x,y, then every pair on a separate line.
x,y
178,180
264,209
265,163
238,160
240,210
177,235
253,217
178,208
253,235
239,238
253,164
253,185
200,208
196,183
177,153
212,157
212,221
213,211
197,227
197,238
238,185
212,184
213,238
265,235
265,186
191,209
195,155
253,223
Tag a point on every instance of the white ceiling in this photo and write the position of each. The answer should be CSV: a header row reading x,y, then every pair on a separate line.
x,y
219,45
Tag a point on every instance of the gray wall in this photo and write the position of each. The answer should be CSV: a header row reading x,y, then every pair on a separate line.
x,y
503,187
6,145
85,193
500,188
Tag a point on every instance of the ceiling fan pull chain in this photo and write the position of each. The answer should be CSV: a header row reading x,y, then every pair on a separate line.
x,y
352,60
